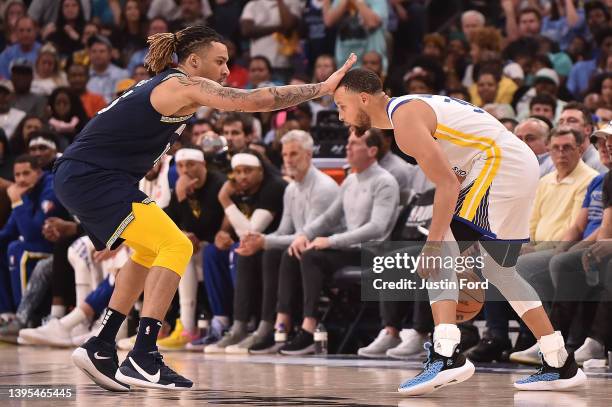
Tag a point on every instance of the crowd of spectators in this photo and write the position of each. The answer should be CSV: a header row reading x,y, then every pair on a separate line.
x,y
268,227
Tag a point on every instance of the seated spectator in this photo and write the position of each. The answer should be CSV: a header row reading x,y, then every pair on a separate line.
x,y
131,33
581,73
487,86
360,28
33,200
13,10
492,69
471,21
9,116
546,81
45,12
557,207
543,104
564,23
78,76
303,201
103,75
419,82
253,203
26,47
191,12
82,56
66,31
19,141
567,267
47,72
156,25
324,66
24,99
6,167
260,73
67,115
534,132
237,128
410,178
262,22
195,208
602,85
373,61
43,146
368,204
526,23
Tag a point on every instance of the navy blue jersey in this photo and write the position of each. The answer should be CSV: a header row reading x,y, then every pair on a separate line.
x,y
129,135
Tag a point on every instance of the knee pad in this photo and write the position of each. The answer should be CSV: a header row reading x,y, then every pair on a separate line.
x,y
520,295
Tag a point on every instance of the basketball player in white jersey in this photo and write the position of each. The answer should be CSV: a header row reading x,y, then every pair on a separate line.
x,y
486,181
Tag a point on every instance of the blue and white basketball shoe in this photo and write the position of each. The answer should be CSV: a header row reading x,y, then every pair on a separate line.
x,y
438,371
547,377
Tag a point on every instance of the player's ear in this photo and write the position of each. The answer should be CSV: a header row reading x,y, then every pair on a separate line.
x,y
365,98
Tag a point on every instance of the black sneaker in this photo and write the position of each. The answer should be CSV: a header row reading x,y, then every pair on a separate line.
x,y
553,378
266,346
147,369
98,360
469,336
489,349
9,330
524,341
301,344
438,371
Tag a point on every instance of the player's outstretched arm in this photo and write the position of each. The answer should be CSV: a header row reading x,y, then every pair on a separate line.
x,y
414,124
208,93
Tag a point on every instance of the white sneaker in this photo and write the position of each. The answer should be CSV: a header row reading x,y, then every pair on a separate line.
x,y
379,347
230,338
53,333
590,349
242,347
80,334
412,344
529,356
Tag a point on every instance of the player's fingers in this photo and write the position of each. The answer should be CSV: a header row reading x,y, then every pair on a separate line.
x,y
349,62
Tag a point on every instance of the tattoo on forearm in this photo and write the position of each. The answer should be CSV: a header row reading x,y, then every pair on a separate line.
x,y
286,96
282,97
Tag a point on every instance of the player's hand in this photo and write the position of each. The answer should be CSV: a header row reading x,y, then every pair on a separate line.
x,y
223,240
250,244
15,192
601,249
184,187
102,255
320,243
298,245
330,85
427,266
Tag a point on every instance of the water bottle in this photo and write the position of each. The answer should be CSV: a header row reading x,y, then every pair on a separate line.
x,y
320,340
592,274
202,325
280,336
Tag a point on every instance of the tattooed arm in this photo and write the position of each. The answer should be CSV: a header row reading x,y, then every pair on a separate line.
x,y
204,92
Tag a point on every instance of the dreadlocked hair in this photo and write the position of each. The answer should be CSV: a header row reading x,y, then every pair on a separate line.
x,y
183,43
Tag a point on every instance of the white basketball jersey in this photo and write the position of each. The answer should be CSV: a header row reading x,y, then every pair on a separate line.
x,y
464,132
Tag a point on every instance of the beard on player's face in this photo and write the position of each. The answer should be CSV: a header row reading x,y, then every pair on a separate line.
x,y
363,122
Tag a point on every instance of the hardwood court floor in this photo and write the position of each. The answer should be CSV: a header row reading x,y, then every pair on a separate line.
x,y
285,381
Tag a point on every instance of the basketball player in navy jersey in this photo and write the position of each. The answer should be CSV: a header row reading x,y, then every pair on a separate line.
x,y
97,180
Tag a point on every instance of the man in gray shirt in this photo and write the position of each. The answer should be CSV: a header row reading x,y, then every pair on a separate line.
x,y
311,193
410,177
368,204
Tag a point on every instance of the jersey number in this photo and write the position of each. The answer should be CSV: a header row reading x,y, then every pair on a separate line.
x,y
126,94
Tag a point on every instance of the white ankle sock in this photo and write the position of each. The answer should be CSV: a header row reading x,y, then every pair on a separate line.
x,y
553,348
223,319
58,311
446,337
75,317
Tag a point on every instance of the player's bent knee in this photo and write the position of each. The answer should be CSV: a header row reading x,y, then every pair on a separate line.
x,y
521,307
175,253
